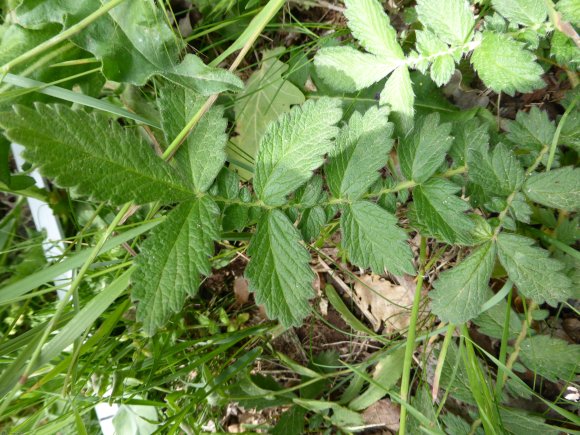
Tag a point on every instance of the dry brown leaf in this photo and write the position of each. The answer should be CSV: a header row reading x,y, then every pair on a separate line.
x,y
241,290
385,413
381,301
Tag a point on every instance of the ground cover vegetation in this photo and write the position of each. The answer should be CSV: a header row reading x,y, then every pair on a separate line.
x,y
292,216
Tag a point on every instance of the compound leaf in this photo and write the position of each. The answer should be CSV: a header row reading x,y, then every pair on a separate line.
x,y
461,291
559,188
361,150
498,172
451,20
202,155
532,130
441,212
94,155
552,358
505,66
172,260
346,69
535,274
570,9
293,147
371,26
279,271
524,12
372,239
423,150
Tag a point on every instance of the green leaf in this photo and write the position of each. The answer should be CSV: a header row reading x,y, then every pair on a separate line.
x,y
291,422
517,421
524,12
311,223
279,271
267,95
441,212
498,172
387,372
559,188
552,358
423,150
451,20
491,322
505,66
172,260
570,10
398,92
202,155
461,291
442,69
36,14
293,147
346,69
532,130
535,274
470,135
362,149
373,240
371,26
94,155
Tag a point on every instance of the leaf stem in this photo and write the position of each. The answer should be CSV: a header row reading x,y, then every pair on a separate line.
x,y
57,39
556,137
411,333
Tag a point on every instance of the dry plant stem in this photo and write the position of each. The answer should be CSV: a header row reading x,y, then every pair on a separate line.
x,y
57,39
518,344
411,333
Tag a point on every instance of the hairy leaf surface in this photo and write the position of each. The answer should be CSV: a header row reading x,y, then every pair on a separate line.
x,y
498,172
505,66
451,20
202,155
373,239
461,291
361,150
172,261
537,276
423,151
94,155
532,130
559,188
550,357
279,271
293,147
398,92
442,212
371,26
524,12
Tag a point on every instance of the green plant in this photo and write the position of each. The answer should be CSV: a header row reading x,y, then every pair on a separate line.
x,y
373,176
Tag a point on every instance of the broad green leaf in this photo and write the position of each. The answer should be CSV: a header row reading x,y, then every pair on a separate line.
x,y
279,272
524,12
536,276
505,66
570,10
373,240
451,20
134,43
371,26
491,322
387,372
461,291
362,149
202,155
267,95
559,188
442,212
94,155
341,416
293,147
498,172
442,69
172,261
424,149
469,136
311,223
291,422
532,130
398,92
552,358
346,69
517,421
